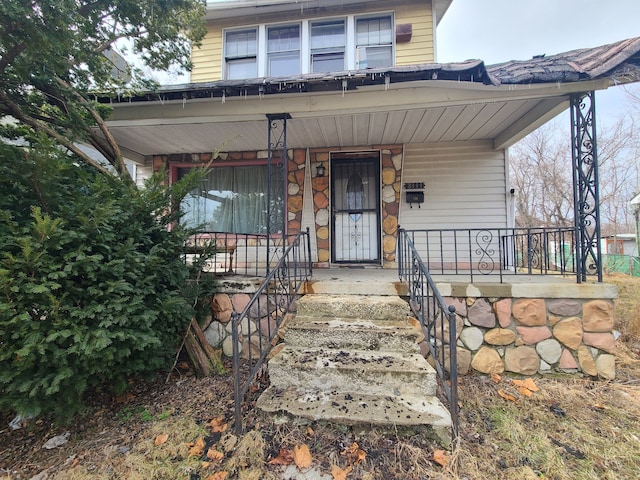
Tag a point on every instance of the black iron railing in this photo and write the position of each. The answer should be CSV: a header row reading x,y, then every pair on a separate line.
x,y
255,329
438,321
241,254
496,251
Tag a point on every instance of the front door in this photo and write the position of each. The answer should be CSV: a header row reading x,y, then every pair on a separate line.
x,y
355,203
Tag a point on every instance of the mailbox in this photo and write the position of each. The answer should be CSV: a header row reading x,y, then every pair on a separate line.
x,y
415,197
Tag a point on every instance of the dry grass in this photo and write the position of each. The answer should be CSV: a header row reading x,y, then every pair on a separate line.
x,y
627,306
572,428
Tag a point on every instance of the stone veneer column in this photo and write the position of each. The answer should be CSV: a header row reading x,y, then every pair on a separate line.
x,y
391,175
295,190
320,190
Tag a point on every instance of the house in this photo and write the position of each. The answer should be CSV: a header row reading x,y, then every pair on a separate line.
x,y
335,116
377,134
620,244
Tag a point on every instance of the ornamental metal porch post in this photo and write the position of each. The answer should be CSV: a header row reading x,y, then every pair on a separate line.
x,y
276,142
586,189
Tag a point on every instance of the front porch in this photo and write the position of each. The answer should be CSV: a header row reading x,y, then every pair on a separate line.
x,y
526,325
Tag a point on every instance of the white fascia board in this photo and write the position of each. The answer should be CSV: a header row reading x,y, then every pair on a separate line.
x,y
371,99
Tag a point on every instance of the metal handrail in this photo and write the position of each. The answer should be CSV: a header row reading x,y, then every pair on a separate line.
x,y
272,302
437,320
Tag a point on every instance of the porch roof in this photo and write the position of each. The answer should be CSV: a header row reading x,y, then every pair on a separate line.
x,y
405,104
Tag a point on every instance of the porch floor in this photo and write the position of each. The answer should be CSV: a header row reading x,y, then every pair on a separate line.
x,y
385,281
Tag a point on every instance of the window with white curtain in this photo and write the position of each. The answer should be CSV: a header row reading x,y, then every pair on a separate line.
x,y
328,41
234,199
283,50
241,53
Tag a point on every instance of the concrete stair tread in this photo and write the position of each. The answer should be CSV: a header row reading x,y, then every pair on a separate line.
x,y
360,306
344,333
361,360
308,321
358,408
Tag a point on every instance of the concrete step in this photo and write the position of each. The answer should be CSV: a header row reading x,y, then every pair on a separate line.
x,y
372,307
354,334
367,372
426,414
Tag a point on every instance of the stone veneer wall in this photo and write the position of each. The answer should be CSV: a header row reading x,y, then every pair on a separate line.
x,y
534,335
234,297
296,164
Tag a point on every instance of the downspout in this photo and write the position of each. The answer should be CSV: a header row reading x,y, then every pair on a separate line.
x,y
433,27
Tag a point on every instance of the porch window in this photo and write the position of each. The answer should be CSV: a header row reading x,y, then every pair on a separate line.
x,y
283,50
241,50
234,200
374,41
328,46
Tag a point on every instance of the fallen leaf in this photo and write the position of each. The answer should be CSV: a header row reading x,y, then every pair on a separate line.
x,y
338,473
441,457
524,391
354,453
222,475
196,449
531,385
310,432
160,439
302,456
218,425
528,383
599,406
506,396
214,455
496,378
285,457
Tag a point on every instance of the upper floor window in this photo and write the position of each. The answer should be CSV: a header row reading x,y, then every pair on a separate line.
x,y
241,50
310,46
328,41
374,42
283,50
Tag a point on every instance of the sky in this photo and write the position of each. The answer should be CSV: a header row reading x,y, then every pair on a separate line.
x,y
500,30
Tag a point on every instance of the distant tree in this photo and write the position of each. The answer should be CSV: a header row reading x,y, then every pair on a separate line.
x,y
55,53
541,175
540,167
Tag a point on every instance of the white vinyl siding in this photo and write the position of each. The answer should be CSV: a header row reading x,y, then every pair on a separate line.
x,y
465,186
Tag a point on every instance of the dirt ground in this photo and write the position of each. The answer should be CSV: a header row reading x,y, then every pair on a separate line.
x,y
565,427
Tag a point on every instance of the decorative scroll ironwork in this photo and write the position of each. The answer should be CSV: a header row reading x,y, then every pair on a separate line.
x,y
486,263
277,175
586,190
